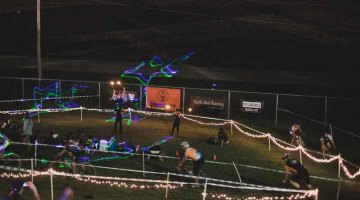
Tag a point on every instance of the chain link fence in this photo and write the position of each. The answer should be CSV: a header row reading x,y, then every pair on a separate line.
x,y
268,112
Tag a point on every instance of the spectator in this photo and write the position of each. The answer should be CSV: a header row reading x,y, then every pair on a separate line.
x,y
176,123
222,137
295,172
27,129
17,189
67,194
118,111
10,129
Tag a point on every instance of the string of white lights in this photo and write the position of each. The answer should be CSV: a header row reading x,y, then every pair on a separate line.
x,y
158,184
226,197
249,134
346,170
49,98
236,125
249,128
206,123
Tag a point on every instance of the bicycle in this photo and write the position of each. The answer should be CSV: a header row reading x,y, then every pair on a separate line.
x,y
67,164
187,170
297,140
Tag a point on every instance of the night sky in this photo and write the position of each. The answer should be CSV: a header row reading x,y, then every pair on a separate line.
x,y
314,44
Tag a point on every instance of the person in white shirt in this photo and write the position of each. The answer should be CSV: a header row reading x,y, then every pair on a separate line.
x,y
27,129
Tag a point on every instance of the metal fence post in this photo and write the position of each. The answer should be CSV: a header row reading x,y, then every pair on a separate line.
x,y
325,112
276,112
183,100
141,99
205,187
167,186
23,88
99,93
60,86
51,184
143,163
229,98
338,190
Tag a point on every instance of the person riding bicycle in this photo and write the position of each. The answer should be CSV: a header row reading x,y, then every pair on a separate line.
x,y
327,144
295,172
73,150
296,134
195,156
4,142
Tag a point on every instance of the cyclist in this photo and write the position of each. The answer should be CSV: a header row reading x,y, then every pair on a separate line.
x,y
295,172
73,150
327,144
195,156
296,133
4,142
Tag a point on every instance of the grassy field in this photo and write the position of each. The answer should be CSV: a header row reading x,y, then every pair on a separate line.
x,y
241,150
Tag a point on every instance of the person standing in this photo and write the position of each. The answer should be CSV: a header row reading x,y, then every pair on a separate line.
x,y
27,129
176,123
118,111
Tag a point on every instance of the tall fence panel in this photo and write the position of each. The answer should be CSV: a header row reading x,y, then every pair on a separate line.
x,y
85,93
293,109
211,103
11,89
254,109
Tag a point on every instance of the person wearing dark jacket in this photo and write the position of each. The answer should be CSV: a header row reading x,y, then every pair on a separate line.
x,y
176,123
295,172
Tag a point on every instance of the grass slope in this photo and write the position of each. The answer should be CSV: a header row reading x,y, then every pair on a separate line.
x,y
241,150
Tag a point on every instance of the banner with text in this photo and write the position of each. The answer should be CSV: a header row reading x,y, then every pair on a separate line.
x,y
252,106
203,102
163,98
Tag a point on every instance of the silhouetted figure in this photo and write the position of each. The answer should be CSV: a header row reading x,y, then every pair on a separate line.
x,y
176,123
119,110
